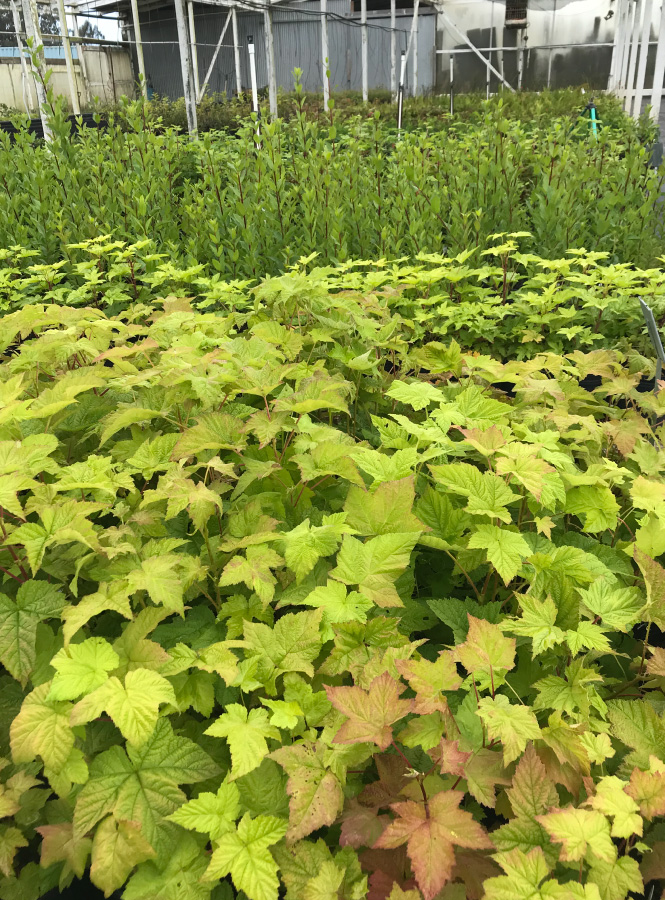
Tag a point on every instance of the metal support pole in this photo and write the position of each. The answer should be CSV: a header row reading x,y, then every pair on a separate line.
x,y
236,50
136,22
489,55
252,73
201,91
324,53
632,60
186,67
452,85
659,69
463,37
393,52
270,60
416,5
644,53
69,61
363,49
25,72
625,53
195,55
81,57
520,60
33,31
400,91
615,62
549,61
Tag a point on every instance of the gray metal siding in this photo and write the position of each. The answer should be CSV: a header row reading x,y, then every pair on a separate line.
x,y
297,37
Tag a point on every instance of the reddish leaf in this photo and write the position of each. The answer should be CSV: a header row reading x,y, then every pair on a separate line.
x,y
532,792
429,679
361,825
473,869
450,758
430,835
370,714
392,780
652,866
315,793
486,648
648,790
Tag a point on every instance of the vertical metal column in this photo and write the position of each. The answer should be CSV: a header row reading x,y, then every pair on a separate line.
x,y
363,50
549,61
136,22
393,51
25,72
489,55
192,41
186,67
416,7
69,61
324,53
659,69
625,46
632,59
33,31
236,50
270,60
644,53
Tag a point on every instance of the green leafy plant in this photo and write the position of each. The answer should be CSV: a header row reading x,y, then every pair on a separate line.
x,y
296,601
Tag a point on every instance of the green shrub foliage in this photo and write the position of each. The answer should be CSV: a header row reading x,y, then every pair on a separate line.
x,y
303,598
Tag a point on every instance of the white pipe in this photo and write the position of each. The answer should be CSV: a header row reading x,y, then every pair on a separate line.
x,y
400,91
69,61
33,31
632,61
549,61
270,60
416,5
659,69
252,73
25,72
644,53
489,55
186,67
201,91
81,58
325,53
195,54
236,49
393,51
139,47
628,28
616,46
363,49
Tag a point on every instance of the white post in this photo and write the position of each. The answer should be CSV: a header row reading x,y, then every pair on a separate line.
x,y
324,53
393,51
618,19
489,55
549,61
81,55
195,55
363,50
520,60
416,5
632,61
452,84
25,72
270,60
659,69
69,62
33,31
139,46
644,53
186,67
252,73
625,51
236,49
400,91
201,91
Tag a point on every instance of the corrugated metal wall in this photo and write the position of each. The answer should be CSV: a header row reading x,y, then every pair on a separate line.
x,y
297,37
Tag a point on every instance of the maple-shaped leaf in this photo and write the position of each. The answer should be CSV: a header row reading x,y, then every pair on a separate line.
x,y
244,854
338,605
648,790
654,580
375,565
159,576
385,510
431,832
214,431
306,544
450,758
537,622
618,608
486,650
526,879
637,724
486,493
246,734
361,825
370,714
212,814
178,879
253,569
316,795
532,791
116,848
595,505
429,679
291,646
416,394
42,729
612,799
81,668
512,724
133,706
615,879
579,831
35,602
505,549
398,894
520,462
60,844
11,839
